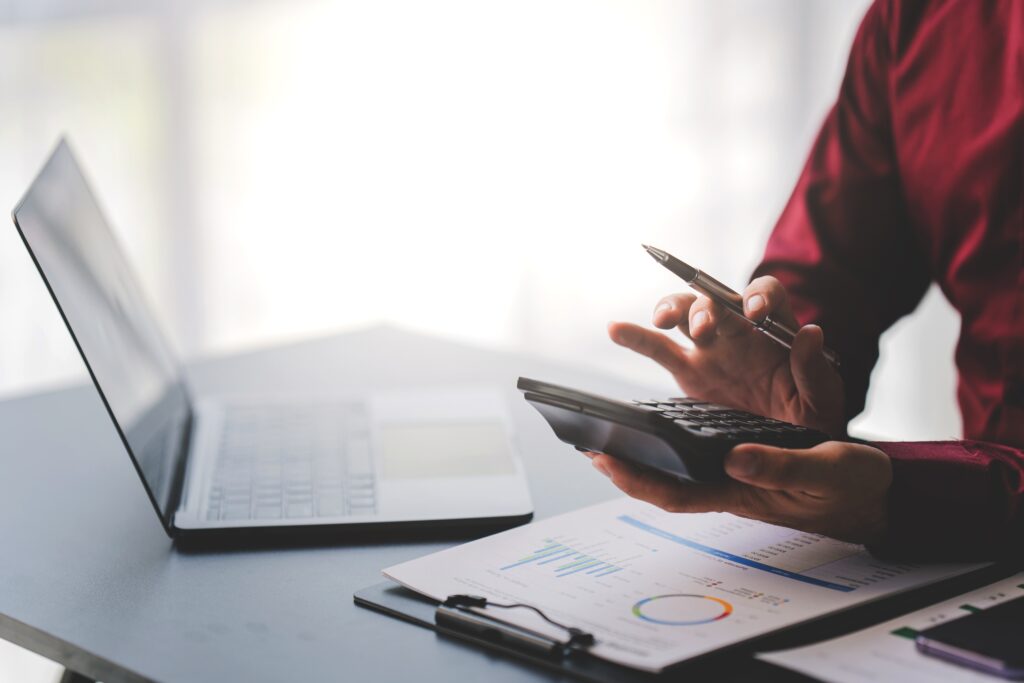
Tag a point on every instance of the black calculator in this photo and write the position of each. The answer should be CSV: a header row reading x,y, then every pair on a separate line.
x,y
685,438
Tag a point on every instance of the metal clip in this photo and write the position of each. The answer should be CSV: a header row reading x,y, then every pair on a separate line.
x,y
456,613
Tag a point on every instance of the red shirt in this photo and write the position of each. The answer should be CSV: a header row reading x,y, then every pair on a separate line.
x,y
918,176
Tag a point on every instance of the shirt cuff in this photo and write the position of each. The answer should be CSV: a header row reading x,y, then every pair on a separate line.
x,y
945,503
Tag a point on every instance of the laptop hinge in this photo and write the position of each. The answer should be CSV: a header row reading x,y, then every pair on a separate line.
x,y
181,461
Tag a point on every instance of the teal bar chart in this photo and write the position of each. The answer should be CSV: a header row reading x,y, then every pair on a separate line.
x,y
565,560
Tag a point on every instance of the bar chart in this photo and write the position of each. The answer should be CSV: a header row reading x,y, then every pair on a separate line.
x,y
565,560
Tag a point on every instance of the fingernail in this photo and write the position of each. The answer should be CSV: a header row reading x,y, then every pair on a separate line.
x,y
755,303
741,463
699,318
662,307
600,468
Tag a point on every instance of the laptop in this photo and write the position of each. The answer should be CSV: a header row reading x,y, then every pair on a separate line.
x,y
260,467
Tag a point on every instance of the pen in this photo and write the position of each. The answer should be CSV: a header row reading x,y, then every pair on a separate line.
x,y
719,293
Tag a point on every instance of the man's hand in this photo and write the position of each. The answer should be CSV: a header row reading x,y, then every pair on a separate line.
x,y
736,365
838,489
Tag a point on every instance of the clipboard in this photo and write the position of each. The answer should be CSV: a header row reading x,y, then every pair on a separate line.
x,y
735,662
401,603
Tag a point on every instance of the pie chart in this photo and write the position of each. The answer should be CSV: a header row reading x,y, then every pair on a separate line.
x,y
681,609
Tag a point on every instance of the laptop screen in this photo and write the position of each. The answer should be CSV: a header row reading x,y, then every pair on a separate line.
x,y
129,360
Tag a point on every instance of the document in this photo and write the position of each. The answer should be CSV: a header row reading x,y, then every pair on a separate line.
x,y
886,652
656,588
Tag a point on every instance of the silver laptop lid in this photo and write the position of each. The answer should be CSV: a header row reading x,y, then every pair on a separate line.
x,y
131,363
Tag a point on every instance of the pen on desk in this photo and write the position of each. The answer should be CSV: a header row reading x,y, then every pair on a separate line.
x,y
733,301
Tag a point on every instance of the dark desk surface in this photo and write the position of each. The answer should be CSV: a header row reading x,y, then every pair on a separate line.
x,y
89,579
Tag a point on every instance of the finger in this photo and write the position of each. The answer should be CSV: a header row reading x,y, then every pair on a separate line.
x,y
654,345
674,311
666,493
815,378
702,321
709,320
766,296
811,471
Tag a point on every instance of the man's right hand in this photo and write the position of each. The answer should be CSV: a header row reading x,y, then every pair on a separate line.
x,y
734,364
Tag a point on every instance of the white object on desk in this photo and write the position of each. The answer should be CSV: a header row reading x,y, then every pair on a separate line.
x,y
886,652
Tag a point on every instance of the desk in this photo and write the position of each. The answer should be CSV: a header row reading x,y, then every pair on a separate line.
x,y
89,579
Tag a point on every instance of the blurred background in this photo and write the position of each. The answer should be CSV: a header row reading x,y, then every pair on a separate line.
x,y
484,170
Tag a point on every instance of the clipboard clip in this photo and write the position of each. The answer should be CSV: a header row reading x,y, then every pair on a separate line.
x,y
456,613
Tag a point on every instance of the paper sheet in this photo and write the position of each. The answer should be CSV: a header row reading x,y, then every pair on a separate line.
x,y
886,652
656,588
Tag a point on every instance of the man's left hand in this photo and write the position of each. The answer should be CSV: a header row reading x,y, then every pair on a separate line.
x,y
838,489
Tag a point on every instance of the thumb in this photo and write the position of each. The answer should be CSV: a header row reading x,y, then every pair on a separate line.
x,y
781,469
812,373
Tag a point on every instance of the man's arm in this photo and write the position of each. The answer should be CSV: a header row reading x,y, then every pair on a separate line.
x,y
954,499
843,247
846,250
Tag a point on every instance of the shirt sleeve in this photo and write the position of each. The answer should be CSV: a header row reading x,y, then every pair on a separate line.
x,y
843,246
954,500
845,249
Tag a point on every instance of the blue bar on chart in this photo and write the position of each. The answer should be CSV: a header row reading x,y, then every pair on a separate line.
x,y
565,561
731,557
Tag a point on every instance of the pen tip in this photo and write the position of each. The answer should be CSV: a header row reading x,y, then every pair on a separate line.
x,y
666,259
656,253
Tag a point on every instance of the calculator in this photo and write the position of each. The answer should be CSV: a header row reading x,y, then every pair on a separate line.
x,y
685,438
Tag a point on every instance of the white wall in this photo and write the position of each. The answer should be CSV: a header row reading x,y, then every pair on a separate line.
x,y
279,169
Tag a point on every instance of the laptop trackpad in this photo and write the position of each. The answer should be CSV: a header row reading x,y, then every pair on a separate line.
x,y
446,454
415,450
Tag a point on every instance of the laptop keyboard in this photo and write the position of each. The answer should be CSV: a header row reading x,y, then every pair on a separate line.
x,y
286,461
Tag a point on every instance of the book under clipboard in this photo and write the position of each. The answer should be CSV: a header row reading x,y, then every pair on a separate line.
x,y
622,591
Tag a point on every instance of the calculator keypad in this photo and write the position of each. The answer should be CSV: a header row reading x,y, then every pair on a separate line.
x,y
710,420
